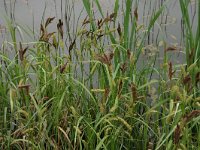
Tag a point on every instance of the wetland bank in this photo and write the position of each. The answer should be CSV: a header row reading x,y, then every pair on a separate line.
x,y
98,74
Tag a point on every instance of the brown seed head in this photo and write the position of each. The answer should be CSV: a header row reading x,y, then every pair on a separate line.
x,y
177,135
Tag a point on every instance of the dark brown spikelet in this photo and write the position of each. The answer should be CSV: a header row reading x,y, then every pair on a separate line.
x,y
102,58
99,23
60,27
44,35
49,35
177,134
134,92
88,33
123,67
109,18
26,87
190,116
86,21
62,68
171,48
170,72
106,93
42,30
106,20
197,78
119,30
22,51
99,36
136,13
83,23
186,79
105,58
48,21
120,88
129,54
72,45
113,15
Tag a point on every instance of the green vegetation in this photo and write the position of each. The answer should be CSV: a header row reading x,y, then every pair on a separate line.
x,y
93,93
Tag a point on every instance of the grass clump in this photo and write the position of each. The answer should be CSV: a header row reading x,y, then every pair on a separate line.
x,y
91,93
